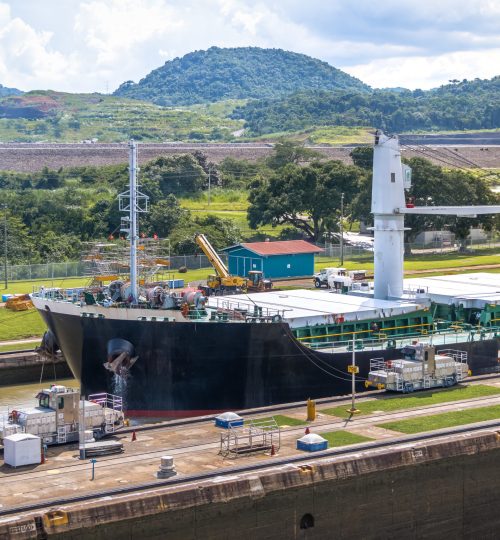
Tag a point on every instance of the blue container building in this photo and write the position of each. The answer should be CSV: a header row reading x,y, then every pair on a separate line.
x,y
280,259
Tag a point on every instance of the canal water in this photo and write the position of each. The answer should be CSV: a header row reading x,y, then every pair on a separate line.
x,y
22,396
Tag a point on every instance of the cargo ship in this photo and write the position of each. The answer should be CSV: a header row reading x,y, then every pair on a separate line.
x,y
176,353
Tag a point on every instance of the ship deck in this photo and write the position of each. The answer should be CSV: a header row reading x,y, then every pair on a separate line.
x,y
303,307
471,290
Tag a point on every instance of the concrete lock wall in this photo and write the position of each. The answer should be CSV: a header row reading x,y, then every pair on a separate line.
x,y
440,490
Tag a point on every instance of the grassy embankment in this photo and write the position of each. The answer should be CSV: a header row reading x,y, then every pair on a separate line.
x,y
386,403
343,438
444,420
76,117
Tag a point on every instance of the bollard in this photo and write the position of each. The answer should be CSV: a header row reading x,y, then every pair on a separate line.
x,y
93,461
311,410
167,468
134,436
273,450
307,431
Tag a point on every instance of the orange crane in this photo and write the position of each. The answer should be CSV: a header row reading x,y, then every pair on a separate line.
x,y
222,279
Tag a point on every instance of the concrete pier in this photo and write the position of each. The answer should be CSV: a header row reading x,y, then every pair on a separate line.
x,y
26,367
447,486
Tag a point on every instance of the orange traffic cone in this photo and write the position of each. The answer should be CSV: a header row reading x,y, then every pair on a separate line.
x,y
134,436
307,431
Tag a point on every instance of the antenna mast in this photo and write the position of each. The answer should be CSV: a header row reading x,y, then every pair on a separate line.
x,y
133,202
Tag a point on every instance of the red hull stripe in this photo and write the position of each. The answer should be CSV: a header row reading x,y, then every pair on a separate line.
x,y
171,414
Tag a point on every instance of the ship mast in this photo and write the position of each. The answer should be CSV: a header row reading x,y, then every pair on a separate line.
x,y
133,202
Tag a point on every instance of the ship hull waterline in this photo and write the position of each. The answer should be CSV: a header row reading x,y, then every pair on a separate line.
x,y
197,368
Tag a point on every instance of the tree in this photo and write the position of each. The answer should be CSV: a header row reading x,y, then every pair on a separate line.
x,y
174,174
308,198
286,152
220,232
434,186
165,216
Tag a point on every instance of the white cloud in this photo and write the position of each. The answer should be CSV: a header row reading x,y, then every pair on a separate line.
x,y
424,72
91,45
25,55
113,28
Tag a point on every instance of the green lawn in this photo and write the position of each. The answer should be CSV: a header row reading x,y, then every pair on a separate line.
x,y
343,438
283,421
444,420
20,324
419,399
18,347
418,261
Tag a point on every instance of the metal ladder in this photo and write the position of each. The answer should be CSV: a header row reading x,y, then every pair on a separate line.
x,y
61,434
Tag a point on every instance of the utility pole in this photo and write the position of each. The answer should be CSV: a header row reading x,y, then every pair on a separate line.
x,y
342,230
209,182
5,252
353,369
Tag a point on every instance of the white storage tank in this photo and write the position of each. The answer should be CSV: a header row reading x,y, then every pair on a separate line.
x,y
22,449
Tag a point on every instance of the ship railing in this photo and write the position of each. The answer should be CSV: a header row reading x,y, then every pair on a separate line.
x,y
416,292
62,295
439,336
248,309
378,364
457,355
107,401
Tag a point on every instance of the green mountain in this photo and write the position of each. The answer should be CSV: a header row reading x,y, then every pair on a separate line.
x,y
239,73
4,91
459,106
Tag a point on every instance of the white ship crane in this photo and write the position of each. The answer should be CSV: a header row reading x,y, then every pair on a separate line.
x,y
390,179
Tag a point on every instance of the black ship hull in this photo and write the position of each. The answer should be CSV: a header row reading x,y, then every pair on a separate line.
x,y
194,368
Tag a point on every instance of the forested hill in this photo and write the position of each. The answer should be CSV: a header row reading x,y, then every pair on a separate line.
x,y
239,73
460,105
4,91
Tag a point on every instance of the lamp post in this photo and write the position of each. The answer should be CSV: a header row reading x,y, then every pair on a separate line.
x,y
342,230
5,250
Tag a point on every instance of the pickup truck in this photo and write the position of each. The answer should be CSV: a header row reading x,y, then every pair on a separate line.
x,y
320,279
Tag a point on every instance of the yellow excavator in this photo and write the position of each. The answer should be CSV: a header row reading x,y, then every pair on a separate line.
x,y
222,281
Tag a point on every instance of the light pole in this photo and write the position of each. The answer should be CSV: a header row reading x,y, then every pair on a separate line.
x,y
342,230
209,182
353,369
5,250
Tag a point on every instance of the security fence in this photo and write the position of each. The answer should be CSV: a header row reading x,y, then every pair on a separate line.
x,y
49,271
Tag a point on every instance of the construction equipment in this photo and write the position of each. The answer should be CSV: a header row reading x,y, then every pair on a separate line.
x,y
223,281
21,302
256,281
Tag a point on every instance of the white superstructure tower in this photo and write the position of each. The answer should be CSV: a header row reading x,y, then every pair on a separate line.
x,y
390,179
387,198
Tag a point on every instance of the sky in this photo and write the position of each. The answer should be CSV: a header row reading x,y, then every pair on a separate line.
x,y
95,45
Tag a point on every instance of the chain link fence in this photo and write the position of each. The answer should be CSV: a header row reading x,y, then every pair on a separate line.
x,y
49,271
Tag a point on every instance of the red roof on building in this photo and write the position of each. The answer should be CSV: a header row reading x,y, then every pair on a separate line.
x,y
282,247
